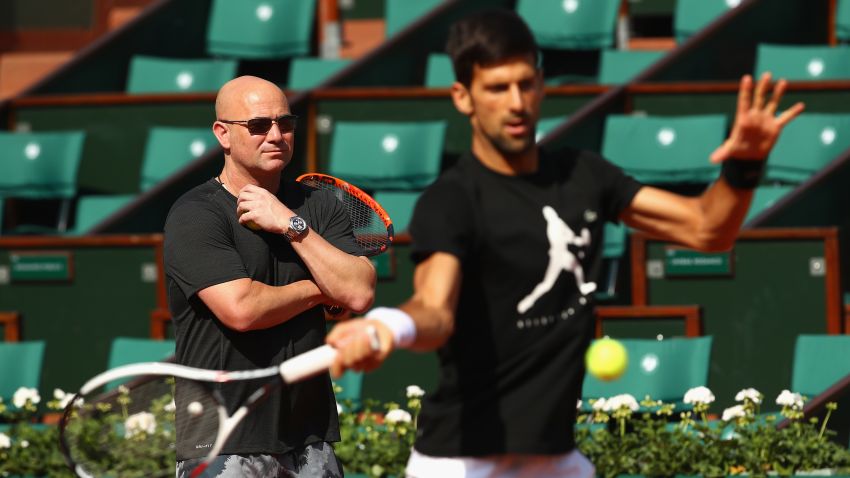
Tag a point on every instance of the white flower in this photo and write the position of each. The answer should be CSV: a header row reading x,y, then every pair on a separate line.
x,y
23,394
749,393
578,405
25,444
170,407
62,397
5,441
789,399
397,416
122,389
699,395
599,404
733,412
338,408
142,422
620,401
413,391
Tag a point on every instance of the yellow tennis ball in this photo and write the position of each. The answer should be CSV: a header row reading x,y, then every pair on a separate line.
x,y
606,359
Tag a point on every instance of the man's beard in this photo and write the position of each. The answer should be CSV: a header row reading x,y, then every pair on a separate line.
x,y
510,147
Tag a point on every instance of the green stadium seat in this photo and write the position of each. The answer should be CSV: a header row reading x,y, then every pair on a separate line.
x,y
819,362
613,250
307,73
398,14
571,24
439,72
842,21
351,384
806,145
620,66
260,29
169,149
92,210
804,63
691,16
128,350
399,205
663,369
545,125
387,156
171,75
657,149
764,198
20,366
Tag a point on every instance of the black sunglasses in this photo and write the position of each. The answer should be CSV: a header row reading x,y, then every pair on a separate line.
x,y
286,123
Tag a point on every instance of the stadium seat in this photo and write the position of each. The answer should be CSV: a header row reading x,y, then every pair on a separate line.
x,y
691,16
663,369
351,383
804,62
545,125
571,24
764,198
167,150
439,72
171,75
260,29
842,21
127,350
819,362
806,145
657,149
613,249
387,156
399,205
41,166
620,66
307,73
20,366
400,13
91,210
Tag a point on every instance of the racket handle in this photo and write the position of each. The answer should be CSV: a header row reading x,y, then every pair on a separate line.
x,y
307,364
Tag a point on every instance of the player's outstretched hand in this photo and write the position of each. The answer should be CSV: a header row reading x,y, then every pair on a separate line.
x,y
757,125
361,345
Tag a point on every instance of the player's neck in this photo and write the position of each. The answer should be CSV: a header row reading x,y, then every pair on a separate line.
x,y
234,179
525,162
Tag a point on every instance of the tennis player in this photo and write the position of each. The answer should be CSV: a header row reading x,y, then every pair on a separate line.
x,y
507,245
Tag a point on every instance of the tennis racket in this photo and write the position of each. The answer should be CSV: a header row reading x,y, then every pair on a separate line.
x,y
124,431
373,228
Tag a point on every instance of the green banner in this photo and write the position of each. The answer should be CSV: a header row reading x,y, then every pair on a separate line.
x,y
687,262
40,266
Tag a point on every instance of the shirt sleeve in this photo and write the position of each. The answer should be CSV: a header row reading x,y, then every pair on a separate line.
x,y
198,249
618,188
443,221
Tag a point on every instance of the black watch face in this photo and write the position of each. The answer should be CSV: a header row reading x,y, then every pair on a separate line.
x,y
298,224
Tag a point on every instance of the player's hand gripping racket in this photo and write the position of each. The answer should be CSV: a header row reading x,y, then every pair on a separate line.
x,y
125,430
373,229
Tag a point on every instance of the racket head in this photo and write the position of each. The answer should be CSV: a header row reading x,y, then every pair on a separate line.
x,y
373,228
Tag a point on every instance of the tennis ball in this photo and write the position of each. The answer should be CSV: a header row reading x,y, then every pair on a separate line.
x,y
606,359
195,409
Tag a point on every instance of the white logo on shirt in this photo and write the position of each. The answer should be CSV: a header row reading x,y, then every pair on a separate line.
x,y
560,259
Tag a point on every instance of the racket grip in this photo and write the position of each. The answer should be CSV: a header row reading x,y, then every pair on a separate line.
x,y
307,364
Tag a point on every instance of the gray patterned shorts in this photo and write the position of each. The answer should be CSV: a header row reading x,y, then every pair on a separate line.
x,y
316,460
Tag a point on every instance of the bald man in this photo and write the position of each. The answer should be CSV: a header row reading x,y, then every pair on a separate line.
x,y
249,262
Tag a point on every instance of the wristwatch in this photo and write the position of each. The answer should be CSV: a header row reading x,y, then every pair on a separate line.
x,y
297,228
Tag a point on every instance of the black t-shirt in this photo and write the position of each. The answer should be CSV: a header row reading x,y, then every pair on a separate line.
x,y
205,245
511,373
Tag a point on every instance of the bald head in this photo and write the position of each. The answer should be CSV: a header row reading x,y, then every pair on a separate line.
x,y
240,95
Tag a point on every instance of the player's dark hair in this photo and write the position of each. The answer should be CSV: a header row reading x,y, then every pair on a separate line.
x,y
486,38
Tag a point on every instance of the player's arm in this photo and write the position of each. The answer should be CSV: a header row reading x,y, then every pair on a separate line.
x,y
711,221
436,283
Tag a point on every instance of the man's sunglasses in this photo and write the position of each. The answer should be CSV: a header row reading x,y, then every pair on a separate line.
x,y
286,123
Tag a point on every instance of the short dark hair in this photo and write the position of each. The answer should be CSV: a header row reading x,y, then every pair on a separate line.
x,y
488,37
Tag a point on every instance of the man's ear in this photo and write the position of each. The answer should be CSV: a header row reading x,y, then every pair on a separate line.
x,y
222,134
461,98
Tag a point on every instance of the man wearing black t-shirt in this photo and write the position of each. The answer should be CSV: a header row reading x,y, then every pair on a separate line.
x,y
249,262
508,246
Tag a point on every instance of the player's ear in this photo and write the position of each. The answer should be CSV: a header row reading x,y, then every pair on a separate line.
x,y
222,134
461,98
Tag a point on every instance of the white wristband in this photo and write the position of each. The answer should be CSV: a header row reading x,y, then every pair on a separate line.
x,y
399,322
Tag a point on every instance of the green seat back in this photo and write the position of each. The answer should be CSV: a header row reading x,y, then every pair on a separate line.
x,y
691,16
804,63
170,149
620,66
351,383
40,165
20,366
398,14
614,243
169,75
657,149
842,21
764,198
307,73
571,24
399,205
806,145
545,125
439,72
260,28
391,155
127,350
819,362
662,369
92,210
